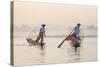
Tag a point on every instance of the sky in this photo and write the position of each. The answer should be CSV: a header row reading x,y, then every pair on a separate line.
x,y
37,13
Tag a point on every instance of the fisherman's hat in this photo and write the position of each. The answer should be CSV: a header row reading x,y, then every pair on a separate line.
x,y
43,25
78,24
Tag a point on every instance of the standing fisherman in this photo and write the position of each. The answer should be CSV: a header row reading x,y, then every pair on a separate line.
x,y
73,35
76,31
41,34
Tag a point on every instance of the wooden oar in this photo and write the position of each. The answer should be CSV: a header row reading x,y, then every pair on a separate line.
x,y
64,40
61,43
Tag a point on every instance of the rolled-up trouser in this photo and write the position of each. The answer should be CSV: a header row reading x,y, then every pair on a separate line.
x,y
40,36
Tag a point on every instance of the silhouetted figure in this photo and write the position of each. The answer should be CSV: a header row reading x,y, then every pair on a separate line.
x,y
41,34
75,36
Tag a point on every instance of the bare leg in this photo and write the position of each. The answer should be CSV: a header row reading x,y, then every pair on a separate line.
x,y
38,38
42,40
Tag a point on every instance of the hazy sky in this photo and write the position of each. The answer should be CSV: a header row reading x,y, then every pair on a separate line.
x,y
35,13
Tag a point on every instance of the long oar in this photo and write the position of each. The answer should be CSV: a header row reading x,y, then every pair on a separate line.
x,y
61,43
64,40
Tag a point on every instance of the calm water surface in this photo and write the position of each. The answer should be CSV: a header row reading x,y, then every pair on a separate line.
x,y
50,54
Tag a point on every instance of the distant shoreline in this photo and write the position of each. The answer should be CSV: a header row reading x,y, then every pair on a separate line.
x,y
59,36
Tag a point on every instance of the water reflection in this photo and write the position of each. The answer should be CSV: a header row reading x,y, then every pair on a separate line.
x,y
77,56
42,54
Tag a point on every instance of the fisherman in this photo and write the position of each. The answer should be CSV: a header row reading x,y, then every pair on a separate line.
x,y
41,34
74,36
76,31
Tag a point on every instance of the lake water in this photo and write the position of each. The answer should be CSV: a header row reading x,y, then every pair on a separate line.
x,y
50,54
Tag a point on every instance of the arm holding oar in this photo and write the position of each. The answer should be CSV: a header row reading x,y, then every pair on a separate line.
x,y
64,40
